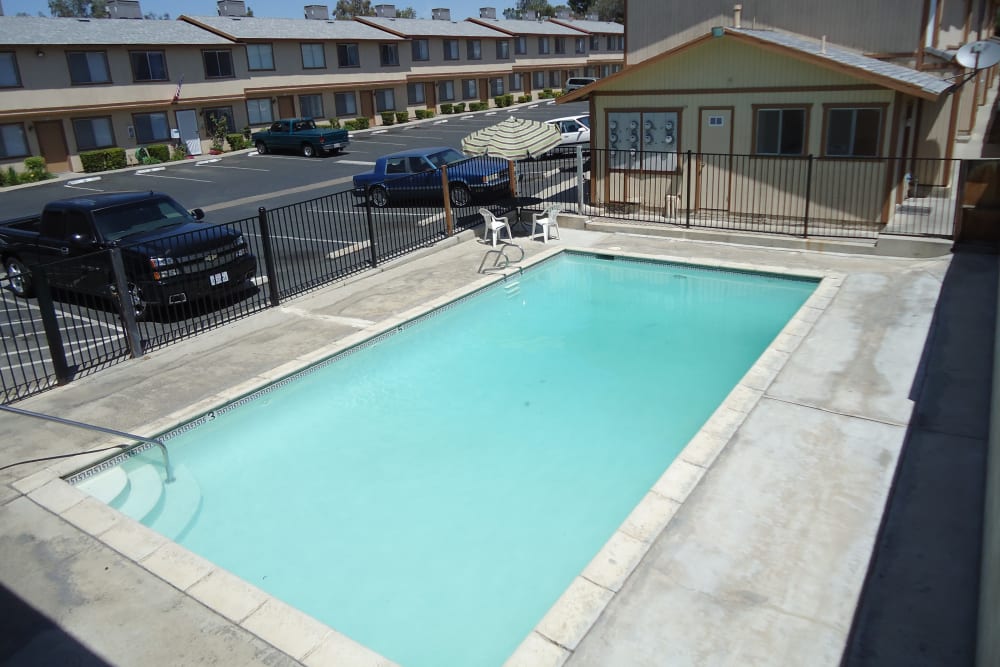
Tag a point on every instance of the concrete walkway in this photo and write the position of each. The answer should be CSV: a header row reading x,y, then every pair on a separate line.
x,y
762,563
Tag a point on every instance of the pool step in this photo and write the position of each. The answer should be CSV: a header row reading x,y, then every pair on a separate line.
x,y
512,288
109,486
145,486
178,506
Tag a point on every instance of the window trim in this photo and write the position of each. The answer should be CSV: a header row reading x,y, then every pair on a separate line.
x,y
348,49
302,111
544,48
17,73
474,49
76,135
270,108
414,86
882,108
446,98
560,45
677,133
154,140
107,69
580,45
520,45
351,95
805,108
503,45
456,51
232,73
393,48
27,145
379,94
312,45
135,79
465,90
270,47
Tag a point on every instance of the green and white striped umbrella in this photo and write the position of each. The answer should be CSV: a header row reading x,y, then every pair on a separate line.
x,y
513,139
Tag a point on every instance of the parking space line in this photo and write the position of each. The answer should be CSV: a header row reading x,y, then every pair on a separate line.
x,y
354,247
174,178
357,162
151,169
219,166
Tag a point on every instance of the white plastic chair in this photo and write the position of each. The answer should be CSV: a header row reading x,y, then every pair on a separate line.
x,y
494,225
546,221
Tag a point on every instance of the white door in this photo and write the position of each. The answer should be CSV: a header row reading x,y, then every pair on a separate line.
x,y
187,124
715,144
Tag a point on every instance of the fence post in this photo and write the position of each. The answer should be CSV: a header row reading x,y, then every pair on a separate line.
x,y
579,179
687,210
52,334
370,221
265,242
809,180
125,308
449,224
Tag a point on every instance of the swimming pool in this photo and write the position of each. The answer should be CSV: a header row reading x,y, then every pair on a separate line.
x,y
432,493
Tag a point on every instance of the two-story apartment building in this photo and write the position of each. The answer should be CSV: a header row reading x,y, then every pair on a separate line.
x,y
604,44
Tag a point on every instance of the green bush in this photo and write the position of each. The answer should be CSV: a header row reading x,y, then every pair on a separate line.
x,y
361,123
350,125
104,159
237,142
160,152
10,177
524,98
498,101
459,107
179,152
402,116
34,170
335,123
447,107
508,99
388,117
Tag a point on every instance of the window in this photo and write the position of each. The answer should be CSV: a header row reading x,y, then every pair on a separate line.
x,y
581,45
474,49
780,132
216,115
415,93
503,49
88,67
13,142
218,64
420,50
560,45
555,79
853,132
538,80
595,43
151,127
616,42
469,89
313,56
311,106
388,54
259,111
446,91
517,81
646,140
520,46
385,99
93,133
260,57
345,104
347,55
450,49
148,66
496,87
9,76
543,46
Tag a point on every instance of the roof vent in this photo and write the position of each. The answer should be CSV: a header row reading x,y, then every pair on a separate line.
x,y
317,12
737,15
385,11
530,15
231,7
124,9
487,12
441,14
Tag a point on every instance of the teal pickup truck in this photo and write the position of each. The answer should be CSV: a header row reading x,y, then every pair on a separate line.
x,y
301,136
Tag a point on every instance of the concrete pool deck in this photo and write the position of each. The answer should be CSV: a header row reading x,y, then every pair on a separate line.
x,y
762,563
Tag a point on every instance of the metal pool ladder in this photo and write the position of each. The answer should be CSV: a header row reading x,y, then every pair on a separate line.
x,y
500,258
90,427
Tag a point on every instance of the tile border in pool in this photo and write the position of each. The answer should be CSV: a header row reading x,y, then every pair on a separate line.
x,y
570,618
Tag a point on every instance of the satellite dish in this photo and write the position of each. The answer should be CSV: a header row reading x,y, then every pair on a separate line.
x,y
978,55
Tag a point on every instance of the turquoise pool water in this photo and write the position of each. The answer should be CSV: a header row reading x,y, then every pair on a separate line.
x,y
432,494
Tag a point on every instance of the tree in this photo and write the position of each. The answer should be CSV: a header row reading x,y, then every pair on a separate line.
x,y
79,8
407,13
540,7
153,16
350,8
579,7
610,10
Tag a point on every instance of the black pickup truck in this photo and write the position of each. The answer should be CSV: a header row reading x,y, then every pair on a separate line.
x,y
169,256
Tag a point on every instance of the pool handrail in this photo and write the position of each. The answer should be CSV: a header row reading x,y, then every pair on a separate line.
x,y
101,429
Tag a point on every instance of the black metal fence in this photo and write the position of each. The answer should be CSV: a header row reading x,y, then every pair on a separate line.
x,y
67,333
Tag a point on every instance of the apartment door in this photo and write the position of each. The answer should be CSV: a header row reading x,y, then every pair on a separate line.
x,y
187,126
286,106
715,149
484,90
367,104
430,95
52,144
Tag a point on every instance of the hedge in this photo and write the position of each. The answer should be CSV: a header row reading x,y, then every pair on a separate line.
x,y
388,117
237,142
160,152
361,123
104,159
424,113
459,107
447,107
402,116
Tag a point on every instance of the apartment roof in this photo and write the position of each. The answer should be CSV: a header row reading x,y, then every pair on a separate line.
x,y
526,27
429,27
592,27
879,72
252,28
38,31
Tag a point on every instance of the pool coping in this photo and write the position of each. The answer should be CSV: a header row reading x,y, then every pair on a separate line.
x,y
574,613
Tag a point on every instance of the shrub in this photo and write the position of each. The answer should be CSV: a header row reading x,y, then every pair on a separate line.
x,y
219,133
237,142
10,177
508,99
103,160
179,152
524,98
402,116
159,152
142,156
350,125
34,170
447,107
388,117
335,123
459,107
361,123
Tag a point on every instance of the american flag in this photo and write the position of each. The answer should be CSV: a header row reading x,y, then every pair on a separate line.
x,y
177,92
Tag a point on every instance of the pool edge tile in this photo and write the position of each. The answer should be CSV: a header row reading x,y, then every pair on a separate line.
x,y
679,480
132,539
286,628
177,565
616,561
228,595
538,651
58,496
648,519
573,615
339,649
92,516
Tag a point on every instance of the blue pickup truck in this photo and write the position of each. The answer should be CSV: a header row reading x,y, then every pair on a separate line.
x,y
300,135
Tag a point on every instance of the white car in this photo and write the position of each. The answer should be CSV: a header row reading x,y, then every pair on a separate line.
x,y
575,132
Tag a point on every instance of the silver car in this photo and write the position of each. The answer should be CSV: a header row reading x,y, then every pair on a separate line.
x,y
575,82
575,132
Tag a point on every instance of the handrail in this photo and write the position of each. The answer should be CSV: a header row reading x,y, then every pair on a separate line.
x,y
101,429
501,253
